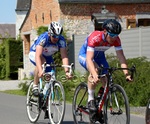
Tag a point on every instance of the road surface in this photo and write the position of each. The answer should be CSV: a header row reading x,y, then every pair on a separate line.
x,y
13,111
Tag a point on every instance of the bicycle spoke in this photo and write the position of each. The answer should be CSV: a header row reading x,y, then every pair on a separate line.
x,y
32,106
56,103
79,107
119,111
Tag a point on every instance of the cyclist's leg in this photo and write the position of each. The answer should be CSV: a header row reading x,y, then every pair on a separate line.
x,y
103,78
48,60
36,78
91,87
91,90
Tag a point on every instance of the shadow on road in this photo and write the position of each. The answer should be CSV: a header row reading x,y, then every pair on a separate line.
x,y
68,122
64,122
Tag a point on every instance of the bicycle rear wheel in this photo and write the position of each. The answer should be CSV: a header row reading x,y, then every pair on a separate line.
x,y
116,108
32,105
79,106
56,103
147,114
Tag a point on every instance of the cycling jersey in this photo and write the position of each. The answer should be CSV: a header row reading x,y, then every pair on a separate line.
x,y
96,42
49,48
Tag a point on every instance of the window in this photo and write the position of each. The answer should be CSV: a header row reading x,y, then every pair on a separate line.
x,y
131,23
143,22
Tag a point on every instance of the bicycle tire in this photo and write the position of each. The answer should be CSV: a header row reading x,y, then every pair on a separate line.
x,y
56,104
147,114
120,111
32,105
79,104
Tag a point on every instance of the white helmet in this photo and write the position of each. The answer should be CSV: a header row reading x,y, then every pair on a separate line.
x,y
55,28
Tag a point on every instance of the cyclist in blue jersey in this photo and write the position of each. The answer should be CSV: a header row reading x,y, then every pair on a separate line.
x,y
44,47
92,55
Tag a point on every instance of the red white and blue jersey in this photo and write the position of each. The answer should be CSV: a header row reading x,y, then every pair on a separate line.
x,y
49,48
96,42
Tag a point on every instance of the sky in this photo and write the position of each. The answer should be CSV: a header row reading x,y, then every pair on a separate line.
x,y
7,11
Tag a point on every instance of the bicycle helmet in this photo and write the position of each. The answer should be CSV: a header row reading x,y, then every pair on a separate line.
x,y
112,26
55,28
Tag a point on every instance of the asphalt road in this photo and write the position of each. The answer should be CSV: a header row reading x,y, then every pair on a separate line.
x,y
13,111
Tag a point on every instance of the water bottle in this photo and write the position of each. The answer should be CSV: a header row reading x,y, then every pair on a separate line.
x,y
45,88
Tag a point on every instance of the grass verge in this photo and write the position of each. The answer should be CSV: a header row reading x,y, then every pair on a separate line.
x,y
15,92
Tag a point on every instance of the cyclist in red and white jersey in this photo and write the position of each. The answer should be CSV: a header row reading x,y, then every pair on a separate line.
x,y
92,55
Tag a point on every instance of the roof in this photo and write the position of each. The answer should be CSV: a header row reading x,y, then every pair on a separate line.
x,y
104,1
23,5
7,30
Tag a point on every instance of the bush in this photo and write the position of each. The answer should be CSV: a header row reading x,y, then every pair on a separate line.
x,y
137,91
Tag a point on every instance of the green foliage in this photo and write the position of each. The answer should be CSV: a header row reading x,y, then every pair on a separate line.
x,y
11,57
70,84
42,29
138,91
24,86
2,61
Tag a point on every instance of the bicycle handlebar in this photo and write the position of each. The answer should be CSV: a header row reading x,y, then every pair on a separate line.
x,y
57,65
112,69
70,67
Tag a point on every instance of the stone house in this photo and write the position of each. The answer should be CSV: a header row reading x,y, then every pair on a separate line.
x,y
21,10
79,17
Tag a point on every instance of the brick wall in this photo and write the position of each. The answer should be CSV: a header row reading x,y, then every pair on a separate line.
x,y
41,13
77,17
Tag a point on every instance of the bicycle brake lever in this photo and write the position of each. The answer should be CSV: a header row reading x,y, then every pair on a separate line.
x,y
71,68
133,70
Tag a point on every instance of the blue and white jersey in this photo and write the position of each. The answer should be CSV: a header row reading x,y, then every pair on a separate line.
x,y
49,48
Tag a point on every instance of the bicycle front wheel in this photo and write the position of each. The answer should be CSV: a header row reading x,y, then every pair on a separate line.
x,y
147,115
79,105
32,105
116,108
56,103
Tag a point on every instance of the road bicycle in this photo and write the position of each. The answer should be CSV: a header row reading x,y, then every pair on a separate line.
x,y
147,114
52,101
112,106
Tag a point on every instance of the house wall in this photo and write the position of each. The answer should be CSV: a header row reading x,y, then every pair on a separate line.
x,y
41,13
76,17
20,16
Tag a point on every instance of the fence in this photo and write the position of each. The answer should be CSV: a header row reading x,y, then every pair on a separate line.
x,y
135,42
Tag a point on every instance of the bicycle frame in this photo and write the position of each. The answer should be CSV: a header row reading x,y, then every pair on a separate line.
x,y
51,100
110,99
109,83
52,79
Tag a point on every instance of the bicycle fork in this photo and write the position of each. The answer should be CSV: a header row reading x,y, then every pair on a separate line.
x,y
116,102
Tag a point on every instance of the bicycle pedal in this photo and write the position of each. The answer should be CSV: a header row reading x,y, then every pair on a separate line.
x,y
46,116
93,117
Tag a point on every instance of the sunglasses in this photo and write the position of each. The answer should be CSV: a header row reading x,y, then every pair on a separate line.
x,y
112,35
55,36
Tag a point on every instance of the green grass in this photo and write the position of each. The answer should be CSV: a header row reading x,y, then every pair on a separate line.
x,y
14,92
